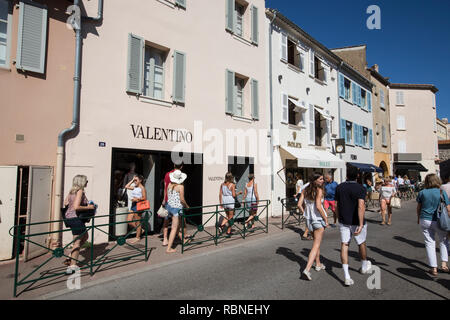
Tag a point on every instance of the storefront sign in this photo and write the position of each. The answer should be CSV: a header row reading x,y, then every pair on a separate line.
x,y
160,134
294,144
324,164
216,178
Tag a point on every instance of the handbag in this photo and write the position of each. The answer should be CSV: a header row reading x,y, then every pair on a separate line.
x,y
143,205
162,212
237,204
396,203
442,215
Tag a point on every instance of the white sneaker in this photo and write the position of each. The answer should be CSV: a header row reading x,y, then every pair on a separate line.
x,y
321,267
349,282
307,274
368,269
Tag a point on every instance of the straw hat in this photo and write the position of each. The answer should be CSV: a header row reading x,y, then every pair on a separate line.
x,y
177,177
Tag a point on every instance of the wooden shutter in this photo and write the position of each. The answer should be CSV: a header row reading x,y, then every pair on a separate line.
x,y
179,77
255,100
312,129
370,139
328,133
284,108
255,30
230,99
341,86
302,61
383,135
356,134
382,98
181,3
283,47
354,93
369,100
32,37
135,69
230,19
312,70
343,124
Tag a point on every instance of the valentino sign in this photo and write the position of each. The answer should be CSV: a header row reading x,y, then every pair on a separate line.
x,y
160,134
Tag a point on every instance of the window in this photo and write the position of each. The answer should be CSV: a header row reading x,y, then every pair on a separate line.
x,y
242,20
363,98
401,124
320,71
401,146
382,99
240,84
347,86
154,73
239,12
295,56
318,127
383,136
348,132
365,137
400,98
4,34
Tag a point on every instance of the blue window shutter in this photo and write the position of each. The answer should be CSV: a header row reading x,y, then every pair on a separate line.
x,y
369,101
255,29
341,86
370,139
230,20
179,77
356,143
255,100
32,37
230,99
181,3
343,130
135,66
354,93
359,96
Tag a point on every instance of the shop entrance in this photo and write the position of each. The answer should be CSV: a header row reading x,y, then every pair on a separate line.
x,y
153,165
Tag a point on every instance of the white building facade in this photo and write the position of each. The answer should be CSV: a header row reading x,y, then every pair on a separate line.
x,y
304,92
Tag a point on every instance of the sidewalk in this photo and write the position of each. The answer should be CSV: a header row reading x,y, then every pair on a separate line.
x,y
158,256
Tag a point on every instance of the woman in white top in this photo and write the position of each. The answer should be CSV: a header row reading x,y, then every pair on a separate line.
x,y
138,193
316,218
251,199
298,185
387,191
227,195
175,202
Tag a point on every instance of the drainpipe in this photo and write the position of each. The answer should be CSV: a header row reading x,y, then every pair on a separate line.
x,y
339,115
54,240
271,113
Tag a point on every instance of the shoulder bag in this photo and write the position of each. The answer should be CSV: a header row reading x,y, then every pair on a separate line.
x,y
442,215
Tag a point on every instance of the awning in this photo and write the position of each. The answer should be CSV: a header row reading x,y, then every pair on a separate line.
x,y
413,166
312,158
298,105
322,112
365,167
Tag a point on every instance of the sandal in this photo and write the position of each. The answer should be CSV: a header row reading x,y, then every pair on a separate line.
x,y
445,269
67,262
433,273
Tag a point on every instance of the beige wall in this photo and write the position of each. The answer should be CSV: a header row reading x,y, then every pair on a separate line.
x,y
38,106
441,130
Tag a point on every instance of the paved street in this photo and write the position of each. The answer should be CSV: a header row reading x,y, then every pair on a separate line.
x,y
270,269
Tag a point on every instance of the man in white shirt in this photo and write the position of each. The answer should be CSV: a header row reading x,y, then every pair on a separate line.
x,y
400,181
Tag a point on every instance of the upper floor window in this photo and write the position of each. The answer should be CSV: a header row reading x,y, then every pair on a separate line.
x,y
239,11
296,112
400,99
295,56
401,146
348,132
242,20
363,98
347,88
320,70
241,96
4,34
382,99
154,73
383,136
240,85
401,123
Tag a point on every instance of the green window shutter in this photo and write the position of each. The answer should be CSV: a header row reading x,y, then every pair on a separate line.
x,y
135,68
181,3
230,99
255,30
230,20
255,100
179,76
32,37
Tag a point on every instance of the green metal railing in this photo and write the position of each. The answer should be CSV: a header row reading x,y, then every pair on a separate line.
x,y
90,263
213,214
289,205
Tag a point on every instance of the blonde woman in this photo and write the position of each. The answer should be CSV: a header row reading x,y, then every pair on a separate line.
x,y
227,195
76,201
428,202
138,193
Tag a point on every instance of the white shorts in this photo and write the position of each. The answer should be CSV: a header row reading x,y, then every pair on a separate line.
x,y
347,233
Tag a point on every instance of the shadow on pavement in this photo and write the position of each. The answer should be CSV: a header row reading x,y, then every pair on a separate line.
x,y
288,253
329,264
413,243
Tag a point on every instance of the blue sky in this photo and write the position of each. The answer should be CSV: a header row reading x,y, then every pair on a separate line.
x,y
413,45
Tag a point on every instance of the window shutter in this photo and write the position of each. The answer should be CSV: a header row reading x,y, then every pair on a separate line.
x,y
302,61
341,86
354,93
135,64
400,100
328,133
383,135
369,101
181,3
356,128
382,98
230,100
230,20
312,129
370,139
255,100
32,38
325,73
255,30
311,63
283,47
343,130
179,77
284,108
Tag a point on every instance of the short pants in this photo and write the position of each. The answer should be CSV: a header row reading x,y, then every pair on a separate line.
x,y
347,233
173,212
330,203
315,224
76,225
